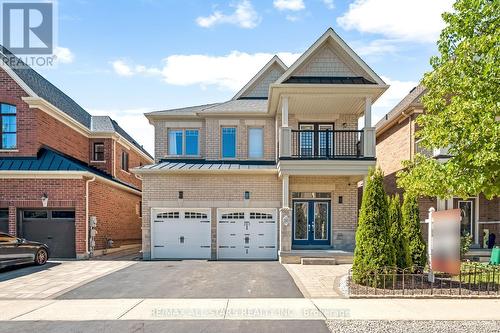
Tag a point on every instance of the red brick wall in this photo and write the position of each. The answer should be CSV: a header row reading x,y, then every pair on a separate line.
x,y
134,161
11,93
63,193
118,218
489,210
107,165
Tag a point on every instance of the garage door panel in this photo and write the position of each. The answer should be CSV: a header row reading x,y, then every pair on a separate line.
x,y
247,234
181,234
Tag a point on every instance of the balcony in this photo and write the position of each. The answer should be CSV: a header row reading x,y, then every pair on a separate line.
x,y
326,144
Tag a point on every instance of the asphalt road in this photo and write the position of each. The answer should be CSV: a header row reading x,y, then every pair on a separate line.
x,y
192,279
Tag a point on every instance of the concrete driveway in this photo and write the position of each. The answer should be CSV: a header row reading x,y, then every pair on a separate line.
x,y
191,279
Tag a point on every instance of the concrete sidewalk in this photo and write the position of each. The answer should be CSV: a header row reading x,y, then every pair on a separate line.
x,y
249,309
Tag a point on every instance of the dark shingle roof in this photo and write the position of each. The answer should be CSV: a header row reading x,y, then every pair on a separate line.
x,y
46,90
50,160
329,80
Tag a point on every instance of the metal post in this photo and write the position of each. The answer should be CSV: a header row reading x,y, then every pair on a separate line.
x,y
429,245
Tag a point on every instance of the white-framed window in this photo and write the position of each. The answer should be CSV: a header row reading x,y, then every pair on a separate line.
x,y
260,216
421,150
195,215
228,142
168,215
183,142
228,216
255,142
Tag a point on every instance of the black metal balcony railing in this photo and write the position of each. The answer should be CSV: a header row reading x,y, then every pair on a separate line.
x,y
327,144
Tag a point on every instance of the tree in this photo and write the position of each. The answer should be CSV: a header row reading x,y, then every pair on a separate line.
x,y
401,251
374,249
461,107
411,230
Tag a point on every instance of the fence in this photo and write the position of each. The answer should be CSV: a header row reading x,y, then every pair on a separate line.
x,y
474,280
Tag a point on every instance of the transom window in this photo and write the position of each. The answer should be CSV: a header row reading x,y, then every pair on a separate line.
x,y
238,215
168,215
256,142
8,126
228,142
195,215
98,151
183,142
260,216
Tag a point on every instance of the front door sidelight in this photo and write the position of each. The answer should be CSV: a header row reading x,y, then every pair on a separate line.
x,y
311,222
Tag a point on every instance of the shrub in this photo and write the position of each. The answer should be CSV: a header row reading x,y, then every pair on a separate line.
x,y
411,230
374,249
401,251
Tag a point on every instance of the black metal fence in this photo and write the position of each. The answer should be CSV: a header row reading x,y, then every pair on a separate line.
x,y
474,280
327,144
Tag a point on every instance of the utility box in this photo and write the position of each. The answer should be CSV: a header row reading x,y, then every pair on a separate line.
x,y
495,256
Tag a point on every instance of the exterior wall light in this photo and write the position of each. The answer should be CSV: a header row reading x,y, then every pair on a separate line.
x,y
45,200
181,195
247,195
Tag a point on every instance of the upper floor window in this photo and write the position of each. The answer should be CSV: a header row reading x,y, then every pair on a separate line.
x,y
255,142
124,161
421,150
98,151
183,142
8,126
228,142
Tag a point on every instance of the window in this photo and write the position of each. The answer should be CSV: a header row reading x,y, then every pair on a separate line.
x,y
238,215
229,142
35,214
124,161
63,214
4,213
194,215
255,143
183,142
421,150
168,215
8,126
260,216
98,151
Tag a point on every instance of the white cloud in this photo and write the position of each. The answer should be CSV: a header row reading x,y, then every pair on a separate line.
x,y
294,5
229,71
132,121
397,91
244,16
409,20
329,4
375,47
63,55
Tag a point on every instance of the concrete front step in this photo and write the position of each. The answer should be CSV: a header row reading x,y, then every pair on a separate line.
x,y
318,261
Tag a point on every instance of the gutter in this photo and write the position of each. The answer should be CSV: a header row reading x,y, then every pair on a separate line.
x,y
87,214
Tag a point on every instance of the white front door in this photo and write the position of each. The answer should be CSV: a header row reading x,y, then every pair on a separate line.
x,y
180,233
244,233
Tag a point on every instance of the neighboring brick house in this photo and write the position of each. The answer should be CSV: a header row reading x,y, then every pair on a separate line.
x,y
52,148
270,173
396,142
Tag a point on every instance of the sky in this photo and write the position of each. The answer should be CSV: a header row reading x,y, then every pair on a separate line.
x,y
124,58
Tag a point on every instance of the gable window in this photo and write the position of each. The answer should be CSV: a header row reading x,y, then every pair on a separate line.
x,y
124,161
8,126
256,142
98,151
228,142
183,142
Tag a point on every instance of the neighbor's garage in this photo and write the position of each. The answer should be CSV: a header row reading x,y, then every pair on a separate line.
x,y
4,220
247,234
53,227
180,233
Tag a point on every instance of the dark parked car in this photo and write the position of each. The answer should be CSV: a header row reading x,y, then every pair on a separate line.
x,y
16,251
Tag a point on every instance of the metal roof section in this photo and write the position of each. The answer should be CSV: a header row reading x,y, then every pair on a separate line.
x,y
50,160
258,86
412,99
329,80
200,166
330,36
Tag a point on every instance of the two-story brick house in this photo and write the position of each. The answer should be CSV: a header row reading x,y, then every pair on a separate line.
x,y
272,172
60,166
396,142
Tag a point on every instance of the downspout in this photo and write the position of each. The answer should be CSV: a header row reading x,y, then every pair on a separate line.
x,y
87,213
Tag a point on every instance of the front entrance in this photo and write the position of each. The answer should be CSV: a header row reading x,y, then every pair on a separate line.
x,y
311,223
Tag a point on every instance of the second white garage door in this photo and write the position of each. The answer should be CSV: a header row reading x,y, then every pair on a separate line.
x,y
180,233
247,234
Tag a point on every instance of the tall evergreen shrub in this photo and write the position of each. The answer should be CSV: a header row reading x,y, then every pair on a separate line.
x,y
411,229
401,250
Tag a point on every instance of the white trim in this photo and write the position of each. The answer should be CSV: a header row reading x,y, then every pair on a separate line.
x,y
325,167
274,60
330,33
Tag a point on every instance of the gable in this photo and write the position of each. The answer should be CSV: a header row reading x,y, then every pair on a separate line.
x,y
330,57
260,88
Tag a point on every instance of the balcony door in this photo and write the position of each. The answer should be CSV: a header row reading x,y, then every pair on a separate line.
x,y
316,139
311,223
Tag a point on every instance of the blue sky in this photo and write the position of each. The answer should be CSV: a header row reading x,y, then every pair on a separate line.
x,y
124,58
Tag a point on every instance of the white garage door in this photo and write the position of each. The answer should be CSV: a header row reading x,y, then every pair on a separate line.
x,y
247,233
180,233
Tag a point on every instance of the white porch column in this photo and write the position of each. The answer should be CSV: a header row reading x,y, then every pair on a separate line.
x,y
285,192
285,131
369,131
285,219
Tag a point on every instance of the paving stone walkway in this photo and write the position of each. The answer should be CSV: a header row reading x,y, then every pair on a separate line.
x,y
318,281
53,279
